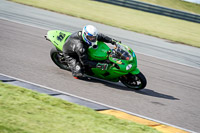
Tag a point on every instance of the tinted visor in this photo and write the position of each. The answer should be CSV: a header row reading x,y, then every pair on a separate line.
x,y
92,38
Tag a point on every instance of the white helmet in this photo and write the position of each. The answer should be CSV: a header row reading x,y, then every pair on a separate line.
x,y
89,34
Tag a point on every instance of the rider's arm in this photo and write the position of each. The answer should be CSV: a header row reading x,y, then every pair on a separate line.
x,y
83,57
104,38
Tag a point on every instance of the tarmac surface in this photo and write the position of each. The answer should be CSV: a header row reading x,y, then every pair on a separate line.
x,y
172,93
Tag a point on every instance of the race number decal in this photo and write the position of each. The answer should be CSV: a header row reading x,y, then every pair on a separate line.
x,y
61,36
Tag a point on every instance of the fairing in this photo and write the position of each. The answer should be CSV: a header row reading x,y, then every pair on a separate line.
x,y
99,53
58,38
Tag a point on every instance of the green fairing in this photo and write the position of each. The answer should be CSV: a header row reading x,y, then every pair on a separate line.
x,y
99,53
136,71
58,38
115,70
114,73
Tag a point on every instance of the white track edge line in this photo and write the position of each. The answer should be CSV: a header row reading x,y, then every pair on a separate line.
x,y
98,103
24,23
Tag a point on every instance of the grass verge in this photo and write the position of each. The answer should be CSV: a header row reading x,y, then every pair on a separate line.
x,y
156,25
25,111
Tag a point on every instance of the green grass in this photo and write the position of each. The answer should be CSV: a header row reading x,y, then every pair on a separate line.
x,y
25,111
176,4
156,25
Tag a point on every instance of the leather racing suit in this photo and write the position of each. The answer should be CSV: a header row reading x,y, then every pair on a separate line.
x,y
75,52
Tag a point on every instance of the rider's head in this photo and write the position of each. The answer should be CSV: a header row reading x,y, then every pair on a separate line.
x,y
89,34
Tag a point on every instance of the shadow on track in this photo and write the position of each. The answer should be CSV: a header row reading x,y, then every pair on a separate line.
x,y
120,86
156,94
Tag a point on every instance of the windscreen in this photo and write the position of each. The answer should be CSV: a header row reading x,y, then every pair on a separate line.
x,y
121,53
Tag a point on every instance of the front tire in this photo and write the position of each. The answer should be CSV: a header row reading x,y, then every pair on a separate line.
x,y
136,82
58,58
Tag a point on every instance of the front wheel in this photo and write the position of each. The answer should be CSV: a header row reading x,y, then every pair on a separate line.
x,y
136,82
58,58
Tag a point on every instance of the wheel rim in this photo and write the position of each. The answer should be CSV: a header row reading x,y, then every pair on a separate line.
x,y
133,82
59,60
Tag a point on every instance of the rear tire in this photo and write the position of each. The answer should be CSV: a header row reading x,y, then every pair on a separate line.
x,y
58,58
136,82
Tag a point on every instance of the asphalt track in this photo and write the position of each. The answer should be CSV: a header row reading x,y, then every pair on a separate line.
x,y
172,93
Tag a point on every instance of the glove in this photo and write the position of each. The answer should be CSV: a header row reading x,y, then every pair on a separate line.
x,y
102,66
114,42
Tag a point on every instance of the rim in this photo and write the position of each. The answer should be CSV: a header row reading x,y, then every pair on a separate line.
x,y
136,82
133,82
60,60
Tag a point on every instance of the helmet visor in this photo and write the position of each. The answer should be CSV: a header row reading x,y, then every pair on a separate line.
x,y
92,38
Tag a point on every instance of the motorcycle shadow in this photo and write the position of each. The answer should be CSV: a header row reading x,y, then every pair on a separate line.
x,y
144,91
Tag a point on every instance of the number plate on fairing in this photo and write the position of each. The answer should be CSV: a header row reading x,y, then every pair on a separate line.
x,y
58,38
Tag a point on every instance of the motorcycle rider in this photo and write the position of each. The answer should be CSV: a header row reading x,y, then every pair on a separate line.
x,y
76,46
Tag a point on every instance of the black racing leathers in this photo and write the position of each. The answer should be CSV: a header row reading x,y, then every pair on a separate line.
x,y
75,52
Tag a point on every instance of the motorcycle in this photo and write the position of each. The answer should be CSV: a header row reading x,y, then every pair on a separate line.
x,y
122,60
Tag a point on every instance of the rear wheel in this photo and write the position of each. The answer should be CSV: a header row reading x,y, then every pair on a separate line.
x,y
136,82
58,58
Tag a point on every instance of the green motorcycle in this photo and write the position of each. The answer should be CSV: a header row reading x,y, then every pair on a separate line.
x,y
122,60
